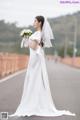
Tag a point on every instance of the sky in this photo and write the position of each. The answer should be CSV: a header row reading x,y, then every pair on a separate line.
x,y
23,12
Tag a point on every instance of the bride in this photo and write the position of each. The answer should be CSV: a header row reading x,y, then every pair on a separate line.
x,y
36,98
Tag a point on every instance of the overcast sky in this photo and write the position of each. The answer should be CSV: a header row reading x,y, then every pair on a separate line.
x,y
24,11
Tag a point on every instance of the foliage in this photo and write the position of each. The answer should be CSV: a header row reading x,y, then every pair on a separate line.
x,y
63,27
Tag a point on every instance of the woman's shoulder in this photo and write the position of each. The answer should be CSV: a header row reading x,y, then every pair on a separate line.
x,y
36,34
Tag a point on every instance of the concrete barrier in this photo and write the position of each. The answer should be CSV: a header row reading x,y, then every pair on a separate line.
x,y
10,63
75,62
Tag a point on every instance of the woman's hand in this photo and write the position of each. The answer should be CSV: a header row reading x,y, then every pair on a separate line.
x,y
33,44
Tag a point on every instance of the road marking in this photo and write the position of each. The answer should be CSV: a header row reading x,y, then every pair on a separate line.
x,y
12,75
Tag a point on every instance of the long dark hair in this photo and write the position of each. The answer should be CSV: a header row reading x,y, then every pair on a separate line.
x,y
41,19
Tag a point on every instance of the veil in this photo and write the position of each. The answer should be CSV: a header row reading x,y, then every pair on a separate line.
x,y
47,34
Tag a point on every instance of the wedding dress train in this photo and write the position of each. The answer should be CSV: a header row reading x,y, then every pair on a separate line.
x,y
36,98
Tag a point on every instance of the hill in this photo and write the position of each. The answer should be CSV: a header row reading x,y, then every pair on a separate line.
x,y
63,28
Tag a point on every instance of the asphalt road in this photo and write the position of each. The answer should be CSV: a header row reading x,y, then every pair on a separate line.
x,y
65,90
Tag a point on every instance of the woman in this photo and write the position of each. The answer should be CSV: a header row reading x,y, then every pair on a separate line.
x,y
36,98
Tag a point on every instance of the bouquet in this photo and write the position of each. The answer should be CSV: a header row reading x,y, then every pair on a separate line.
x,y
25,34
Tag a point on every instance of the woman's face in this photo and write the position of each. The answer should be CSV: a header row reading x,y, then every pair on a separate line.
x,y
36,24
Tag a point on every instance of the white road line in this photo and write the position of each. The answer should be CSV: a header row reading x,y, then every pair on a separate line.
x,y
12,75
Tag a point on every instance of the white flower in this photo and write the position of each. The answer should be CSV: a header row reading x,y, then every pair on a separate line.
x,y
25,32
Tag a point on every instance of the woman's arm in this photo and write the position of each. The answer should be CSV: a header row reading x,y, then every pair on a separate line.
x,y
33,44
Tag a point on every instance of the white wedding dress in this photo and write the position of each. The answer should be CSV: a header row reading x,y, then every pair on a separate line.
x,y
36,98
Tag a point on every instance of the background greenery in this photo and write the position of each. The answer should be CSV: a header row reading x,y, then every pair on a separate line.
x,y
63,28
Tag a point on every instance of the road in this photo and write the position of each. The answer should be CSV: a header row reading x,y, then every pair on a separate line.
x,y
65,89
